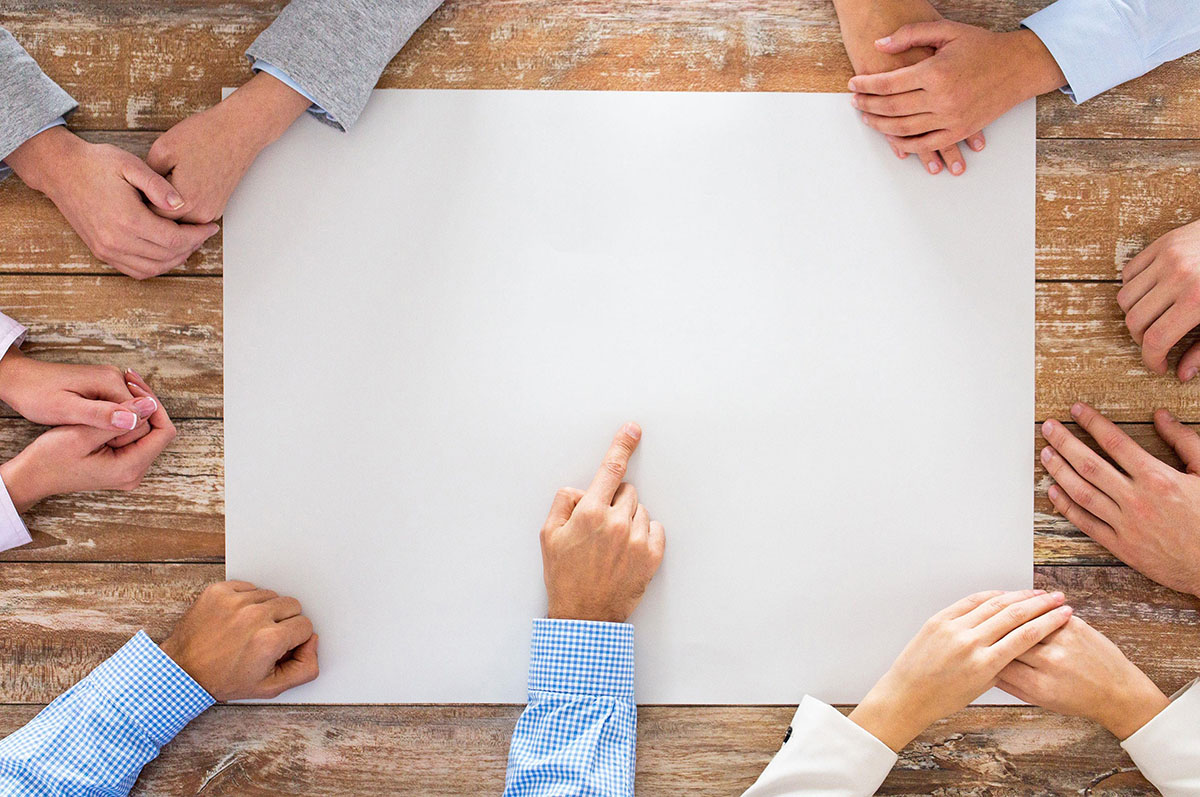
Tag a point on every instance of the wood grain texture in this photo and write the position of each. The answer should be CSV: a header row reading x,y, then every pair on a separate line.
x,y
370,751
145,66
177,514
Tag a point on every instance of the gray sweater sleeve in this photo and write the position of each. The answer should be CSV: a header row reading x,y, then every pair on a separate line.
x,y
337,49
28,99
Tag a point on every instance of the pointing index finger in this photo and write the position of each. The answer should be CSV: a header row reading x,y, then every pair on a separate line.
x,y
616,463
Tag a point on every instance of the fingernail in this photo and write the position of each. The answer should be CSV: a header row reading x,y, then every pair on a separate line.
x,y
633,430
852,85
956,168
884,40
1058,596
1188,374
174,200
1047,455
934,167
123,419
145,407
1076,410
976,145
1039,592
1067,610
133,373
1048,427
865,120
854,100
1053,492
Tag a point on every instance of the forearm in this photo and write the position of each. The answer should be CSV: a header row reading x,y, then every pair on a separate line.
x,y
265,108
29,100
95,738
578,733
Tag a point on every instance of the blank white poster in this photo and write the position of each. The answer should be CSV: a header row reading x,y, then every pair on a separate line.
x,y
436,320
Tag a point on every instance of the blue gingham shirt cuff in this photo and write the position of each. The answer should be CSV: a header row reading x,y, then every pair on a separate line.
x,y
315,109
582,657
150,689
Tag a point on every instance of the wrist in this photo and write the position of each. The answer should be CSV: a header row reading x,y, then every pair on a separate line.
x,y
40,161
11,368
1125,713
1038,72
264,108
888,718
21,483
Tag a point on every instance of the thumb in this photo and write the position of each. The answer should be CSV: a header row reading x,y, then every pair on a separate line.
x,y
1185,442
918,34
108,415
564,504
1189,363
157,188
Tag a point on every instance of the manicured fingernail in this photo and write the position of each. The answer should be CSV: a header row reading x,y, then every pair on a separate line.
x,y
174,200
133,373
1076,410
123,419
1188,374
1053,492
934,167
956,168
633,430
145,407
885,40
1047,455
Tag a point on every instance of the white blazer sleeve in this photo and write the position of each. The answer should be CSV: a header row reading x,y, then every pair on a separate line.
x,y
1167,748
825,755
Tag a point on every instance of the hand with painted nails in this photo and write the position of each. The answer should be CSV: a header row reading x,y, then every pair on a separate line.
x,y
863,22
974,77
102,190
955,657
1144,511
1079,672
1161,299
69,459
57,394
206,155
240,642
600,549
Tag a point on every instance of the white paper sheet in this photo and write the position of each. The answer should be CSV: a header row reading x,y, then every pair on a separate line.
x,y
433,322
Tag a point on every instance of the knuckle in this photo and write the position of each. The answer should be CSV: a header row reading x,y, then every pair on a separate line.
x,y
615,467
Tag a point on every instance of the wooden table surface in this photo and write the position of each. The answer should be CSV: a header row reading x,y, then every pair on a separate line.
x,y
1112,176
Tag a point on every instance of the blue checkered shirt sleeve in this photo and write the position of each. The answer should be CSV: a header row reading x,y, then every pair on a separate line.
x,y
96,737
578,733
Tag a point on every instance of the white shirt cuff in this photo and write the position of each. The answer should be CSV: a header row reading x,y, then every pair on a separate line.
x,y
825,754
1167,748
13,533
1092,44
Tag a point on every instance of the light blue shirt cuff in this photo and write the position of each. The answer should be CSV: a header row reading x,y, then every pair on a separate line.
x,y
282,77
5,171
1092,44
582,657
150,689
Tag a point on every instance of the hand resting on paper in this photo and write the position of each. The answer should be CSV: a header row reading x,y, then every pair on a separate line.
x,y
69,459
240,642
955,657
1146,512
206,155
1077,671
600,549
865,21
974,77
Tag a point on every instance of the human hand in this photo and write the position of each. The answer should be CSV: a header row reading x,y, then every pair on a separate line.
x,y
57,394
599,548
1161,299
863,23
1079,672
1148,516
99,188
240,642
206,155
973,78
954,658
68,459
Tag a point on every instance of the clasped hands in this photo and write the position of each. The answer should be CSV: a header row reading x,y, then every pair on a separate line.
x,y
145,218
108,427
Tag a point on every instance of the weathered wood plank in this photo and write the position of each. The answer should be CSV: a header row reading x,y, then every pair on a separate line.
x,y
177,514
1101,202
323,751
167,329
144,67
1084,353
57,621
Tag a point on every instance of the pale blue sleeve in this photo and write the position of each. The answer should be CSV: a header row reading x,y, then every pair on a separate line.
x,y
1100,44
579,732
